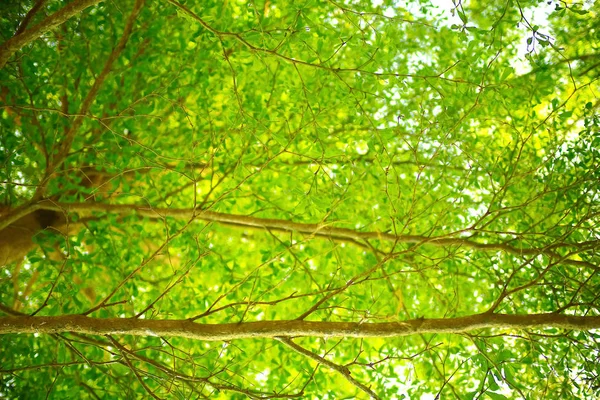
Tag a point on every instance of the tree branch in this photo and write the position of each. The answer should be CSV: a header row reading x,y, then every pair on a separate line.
x,y
321,229
342,369
14,44
65,145
23,25
272,329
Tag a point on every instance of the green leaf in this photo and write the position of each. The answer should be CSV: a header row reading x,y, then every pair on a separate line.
x,y
496,396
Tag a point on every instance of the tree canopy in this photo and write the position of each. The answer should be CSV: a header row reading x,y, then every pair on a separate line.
x,y
299,199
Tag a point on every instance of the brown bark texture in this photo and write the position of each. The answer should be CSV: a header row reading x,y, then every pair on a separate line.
x,y
17,239
289,328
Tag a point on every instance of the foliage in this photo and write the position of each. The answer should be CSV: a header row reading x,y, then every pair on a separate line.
x,y
465,132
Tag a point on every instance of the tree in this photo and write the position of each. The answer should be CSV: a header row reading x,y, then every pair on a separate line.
x,y
318,199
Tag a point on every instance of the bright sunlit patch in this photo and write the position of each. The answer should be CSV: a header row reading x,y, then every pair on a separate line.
x,y
362,147
263,377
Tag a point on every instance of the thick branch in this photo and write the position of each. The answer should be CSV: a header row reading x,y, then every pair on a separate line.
x,y
14,44
273,329
16,214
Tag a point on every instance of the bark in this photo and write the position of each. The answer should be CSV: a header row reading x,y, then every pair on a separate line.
x,y
14,44
273,329
23,25
16,240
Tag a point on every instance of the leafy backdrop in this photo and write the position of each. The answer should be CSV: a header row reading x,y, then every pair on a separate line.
x,y
299,199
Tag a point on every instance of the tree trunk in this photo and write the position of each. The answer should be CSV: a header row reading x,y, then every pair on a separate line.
x,y
16,240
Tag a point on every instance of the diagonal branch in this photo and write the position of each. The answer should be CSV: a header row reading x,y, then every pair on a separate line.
x,y
65,146
133,369
25,22
342,369
14,44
